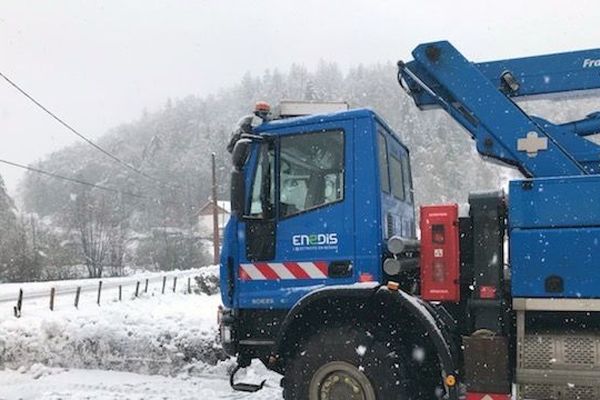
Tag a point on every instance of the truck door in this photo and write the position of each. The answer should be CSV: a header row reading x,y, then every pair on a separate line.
x,y
298,230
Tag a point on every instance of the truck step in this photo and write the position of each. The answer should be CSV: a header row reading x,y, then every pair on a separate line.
x,y
244,387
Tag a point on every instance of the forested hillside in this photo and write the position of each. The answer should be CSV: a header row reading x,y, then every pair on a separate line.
x,y
174,144
172,148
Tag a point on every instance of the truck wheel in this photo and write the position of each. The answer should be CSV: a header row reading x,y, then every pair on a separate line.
x,y
346,363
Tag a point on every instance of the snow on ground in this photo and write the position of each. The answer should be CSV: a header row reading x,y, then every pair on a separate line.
x,y
42,383
153,334
152,347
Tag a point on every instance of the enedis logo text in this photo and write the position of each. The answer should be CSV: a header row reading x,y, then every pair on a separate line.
x,y
315,239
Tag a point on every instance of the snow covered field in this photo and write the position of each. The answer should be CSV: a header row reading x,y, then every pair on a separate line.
x,y
152,347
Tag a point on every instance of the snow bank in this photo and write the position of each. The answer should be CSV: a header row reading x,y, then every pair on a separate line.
x,y
207,280
154,334
152,347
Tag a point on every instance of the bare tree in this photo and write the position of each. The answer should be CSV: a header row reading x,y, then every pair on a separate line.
x,y
117,240
91,222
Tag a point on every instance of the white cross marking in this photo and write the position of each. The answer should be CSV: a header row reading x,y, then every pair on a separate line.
x,y
532,144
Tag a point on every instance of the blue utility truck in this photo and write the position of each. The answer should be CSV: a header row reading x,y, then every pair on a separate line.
x,y
324,279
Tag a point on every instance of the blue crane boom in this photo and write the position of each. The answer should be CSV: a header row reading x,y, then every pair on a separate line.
x,y
479,96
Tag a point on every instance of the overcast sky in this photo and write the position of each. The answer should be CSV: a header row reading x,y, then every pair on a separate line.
x,y
100,63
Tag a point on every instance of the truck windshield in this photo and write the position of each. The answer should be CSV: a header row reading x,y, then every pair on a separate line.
x,y
311,172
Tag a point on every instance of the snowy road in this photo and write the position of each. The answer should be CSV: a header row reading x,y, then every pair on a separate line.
x,y
35,290
43,383
151,347
36,295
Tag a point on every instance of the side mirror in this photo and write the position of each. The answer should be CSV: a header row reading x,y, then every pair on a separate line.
x,y
240,153
238,192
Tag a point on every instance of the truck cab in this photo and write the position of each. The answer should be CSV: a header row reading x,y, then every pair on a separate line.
x,y
321,196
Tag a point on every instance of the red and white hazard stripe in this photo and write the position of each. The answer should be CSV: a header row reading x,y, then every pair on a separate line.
x,y
287,270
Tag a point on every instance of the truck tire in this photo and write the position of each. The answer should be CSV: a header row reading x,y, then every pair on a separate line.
x,y
346,363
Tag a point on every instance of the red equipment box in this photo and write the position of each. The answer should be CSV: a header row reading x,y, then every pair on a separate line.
x,y
440,258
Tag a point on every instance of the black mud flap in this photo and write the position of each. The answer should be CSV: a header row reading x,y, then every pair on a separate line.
x,y
243,387
418,309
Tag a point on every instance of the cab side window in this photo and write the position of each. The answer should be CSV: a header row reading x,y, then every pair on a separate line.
x,y
408,189
397,178
311,173
383,163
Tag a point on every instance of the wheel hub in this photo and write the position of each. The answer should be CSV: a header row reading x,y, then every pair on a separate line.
x,y
339,380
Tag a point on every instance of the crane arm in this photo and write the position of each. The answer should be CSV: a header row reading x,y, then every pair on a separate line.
x,y
479,96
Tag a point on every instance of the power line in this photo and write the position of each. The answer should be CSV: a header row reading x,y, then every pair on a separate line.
x,y
94,185
80,135
73,180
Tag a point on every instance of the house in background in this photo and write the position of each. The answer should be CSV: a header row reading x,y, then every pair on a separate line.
x,y
205,218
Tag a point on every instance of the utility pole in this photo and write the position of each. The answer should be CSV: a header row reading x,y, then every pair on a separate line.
x,y
34,245
216,244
